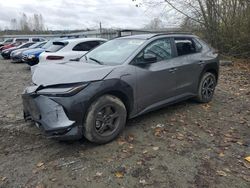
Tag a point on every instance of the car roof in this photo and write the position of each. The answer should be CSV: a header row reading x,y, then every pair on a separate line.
x,y
82,40
152,35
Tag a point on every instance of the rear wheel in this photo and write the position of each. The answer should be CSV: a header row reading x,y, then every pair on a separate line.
x,y
206,88
105,119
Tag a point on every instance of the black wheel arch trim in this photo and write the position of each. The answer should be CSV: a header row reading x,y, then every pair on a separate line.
x,y
211,67
76,106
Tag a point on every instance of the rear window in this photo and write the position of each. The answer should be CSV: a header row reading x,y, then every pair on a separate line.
x,y
56,46
87,46
22,40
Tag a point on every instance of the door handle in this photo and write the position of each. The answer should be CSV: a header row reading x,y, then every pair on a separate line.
x,y
172,70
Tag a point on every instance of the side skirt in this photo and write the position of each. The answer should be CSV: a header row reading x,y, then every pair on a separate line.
x,y
164,103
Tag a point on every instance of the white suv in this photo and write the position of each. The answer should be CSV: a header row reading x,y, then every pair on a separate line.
x,y
66,50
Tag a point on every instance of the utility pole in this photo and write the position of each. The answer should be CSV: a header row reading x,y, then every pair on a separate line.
x,y
100,27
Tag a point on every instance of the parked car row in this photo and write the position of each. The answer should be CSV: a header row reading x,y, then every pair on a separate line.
x,y
123,78
21,40
56,50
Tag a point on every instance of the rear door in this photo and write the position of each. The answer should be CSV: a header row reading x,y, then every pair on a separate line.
x,y
189,65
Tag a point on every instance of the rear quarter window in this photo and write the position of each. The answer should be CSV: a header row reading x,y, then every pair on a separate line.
x,y
56,46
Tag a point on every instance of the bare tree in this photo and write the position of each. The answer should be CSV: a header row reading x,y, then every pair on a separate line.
x,y
155,24
224,23
24,26
13,24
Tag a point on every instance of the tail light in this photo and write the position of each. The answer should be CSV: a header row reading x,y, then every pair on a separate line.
x,y
54,57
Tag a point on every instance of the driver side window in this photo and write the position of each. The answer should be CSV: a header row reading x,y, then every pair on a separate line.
x,y
160,48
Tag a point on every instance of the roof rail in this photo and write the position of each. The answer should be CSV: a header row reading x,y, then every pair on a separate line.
x,y
172,33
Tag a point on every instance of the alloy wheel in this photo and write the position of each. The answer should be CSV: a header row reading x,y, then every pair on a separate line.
x,y
208,87
107,120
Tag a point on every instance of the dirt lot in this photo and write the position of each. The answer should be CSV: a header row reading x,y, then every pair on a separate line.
x,y
184,145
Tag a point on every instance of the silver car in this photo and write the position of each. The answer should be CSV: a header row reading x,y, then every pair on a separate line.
x,y
121,79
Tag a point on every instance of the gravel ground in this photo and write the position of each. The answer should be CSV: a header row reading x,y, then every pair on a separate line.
x,y
183,145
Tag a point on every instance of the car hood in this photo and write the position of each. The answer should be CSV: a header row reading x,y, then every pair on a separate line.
x,y
34,51
71,72
10,49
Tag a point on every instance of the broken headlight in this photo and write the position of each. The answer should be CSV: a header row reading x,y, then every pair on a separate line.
x,y
61,91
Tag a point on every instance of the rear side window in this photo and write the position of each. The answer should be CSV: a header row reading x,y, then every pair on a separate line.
x,y
86,46
56,46
185,46
22,40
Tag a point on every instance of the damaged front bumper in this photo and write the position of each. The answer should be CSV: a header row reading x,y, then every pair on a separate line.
x,y
49,115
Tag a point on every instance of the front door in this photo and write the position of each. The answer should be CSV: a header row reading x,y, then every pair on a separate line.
x,y
155,82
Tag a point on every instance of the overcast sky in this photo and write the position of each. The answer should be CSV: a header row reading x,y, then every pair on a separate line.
x,y
80,14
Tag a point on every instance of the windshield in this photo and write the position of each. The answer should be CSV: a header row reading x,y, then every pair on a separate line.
x,y
114,52
37,45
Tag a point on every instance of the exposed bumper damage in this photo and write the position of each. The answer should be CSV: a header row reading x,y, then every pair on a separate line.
x,y
49,116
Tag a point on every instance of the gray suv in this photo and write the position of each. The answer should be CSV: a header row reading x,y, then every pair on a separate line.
x,y
121,79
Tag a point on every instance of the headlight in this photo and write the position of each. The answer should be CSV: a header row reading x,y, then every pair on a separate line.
x,y
61,91
31,56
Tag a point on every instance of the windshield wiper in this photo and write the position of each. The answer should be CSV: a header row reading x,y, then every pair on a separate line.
x,y
95,60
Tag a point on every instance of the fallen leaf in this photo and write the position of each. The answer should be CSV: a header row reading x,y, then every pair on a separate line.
x,y
155,148
221,173
130,146
53,179
40,164
130,138
139,162
119,174
248,159
121,141
159,125
247,178
206,106
221,154
40,186
246,164
182,121
99,174
142,181
240,143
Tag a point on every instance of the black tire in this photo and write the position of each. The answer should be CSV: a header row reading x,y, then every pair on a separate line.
x,y
105,119
206,88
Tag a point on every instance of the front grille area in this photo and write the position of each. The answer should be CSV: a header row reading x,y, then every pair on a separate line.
x,y
24,58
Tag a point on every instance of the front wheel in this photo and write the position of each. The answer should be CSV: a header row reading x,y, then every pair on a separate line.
x,y
206,88
105,119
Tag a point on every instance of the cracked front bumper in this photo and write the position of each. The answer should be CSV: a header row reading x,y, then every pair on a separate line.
x,y
50,116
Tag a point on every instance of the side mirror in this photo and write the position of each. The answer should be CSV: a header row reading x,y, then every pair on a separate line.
x,y
149,58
